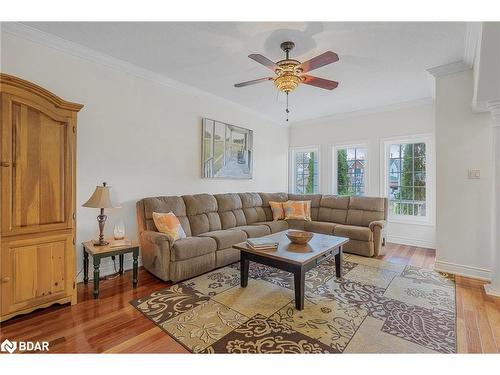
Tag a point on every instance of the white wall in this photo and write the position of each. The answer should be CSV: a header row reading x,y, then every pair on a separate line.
x,y
463,142
370,129
141,137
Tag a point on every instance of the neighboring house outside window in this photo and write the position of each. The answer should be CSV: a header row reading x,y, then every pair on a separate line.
x,y
407,178
305,170
350,166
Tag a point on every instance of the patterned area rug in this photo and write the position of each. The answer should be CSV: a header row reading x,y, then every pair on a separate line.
x,y
378,307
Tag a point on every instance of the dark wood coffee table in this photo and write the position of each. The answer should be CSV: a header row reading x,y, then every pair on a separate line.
x,y
297,259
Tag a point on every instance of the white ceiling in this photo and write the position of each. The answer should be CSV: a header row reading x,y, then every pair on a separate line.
x,y
380,63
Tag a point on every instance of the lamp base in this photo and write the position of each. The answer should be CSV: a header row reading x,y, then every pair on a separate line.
x,y
100,243
101,219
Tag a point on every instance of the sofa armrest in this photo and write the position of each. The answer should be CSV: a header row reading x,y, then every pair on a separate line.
x,y
155,249
378,223
156,238
377,227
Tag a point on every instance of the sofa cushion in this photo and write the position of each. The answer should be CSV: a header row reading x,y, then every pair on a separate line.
x,y
363,218
277,210
364,210
230,210
202,213
297,210
165,205
296,224
274,197
319,227
252,207
226,256
367,203
353,232
274,226
192,247
226,238
333,208
315,202
254,230
169,224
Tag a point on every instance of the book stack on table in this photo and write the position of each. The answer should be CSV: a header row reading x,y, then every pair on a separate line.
x,y
262,244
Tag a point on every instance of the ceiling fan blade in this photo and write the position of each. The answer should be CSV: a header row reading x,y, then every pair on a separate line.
x,y
319,61
253,82
320,82
264,61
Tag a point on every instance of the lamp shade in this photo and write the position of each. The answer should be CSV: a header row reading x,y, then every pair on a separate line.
x,y
101,198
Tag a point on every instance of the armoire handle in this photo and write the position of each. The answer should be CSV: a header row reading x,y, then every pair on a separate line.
x,y
5,164
5,279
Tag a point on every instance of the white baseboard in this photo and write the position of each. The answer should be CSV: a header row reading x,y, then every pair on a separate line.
x,y
107,268
410,241
462,270
491,291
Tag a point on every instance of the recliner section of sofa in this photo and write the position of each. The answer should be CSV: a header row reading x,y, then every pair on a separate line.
x,y
233,217
214,223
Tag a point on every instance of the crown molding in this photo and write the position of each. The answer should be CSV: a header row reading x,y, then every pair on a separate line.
x,y
78,50
452,68
473,32
367,111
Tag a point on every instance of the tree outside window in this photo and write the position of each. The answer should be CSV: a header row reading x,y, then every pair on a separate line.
x,y
306,172
351,162
407,179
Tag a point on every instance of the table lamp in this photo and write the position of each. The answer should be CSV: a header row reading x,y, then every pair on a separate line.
x,y
100,199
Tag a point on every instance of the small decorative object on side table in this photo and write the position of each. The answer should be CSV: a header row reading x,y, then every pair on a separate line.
x,y
113,249
119,230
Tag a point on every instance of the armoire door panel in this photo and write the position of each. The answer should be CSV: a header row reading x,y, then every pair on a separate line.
x,y
24,264
41,172
52,169
44,262
37,270
59,264
25,186
6,162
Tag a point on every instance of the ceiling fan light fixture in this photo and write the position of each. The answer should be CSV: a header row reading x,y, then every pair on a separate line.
x,y
290,72
287,82
288,77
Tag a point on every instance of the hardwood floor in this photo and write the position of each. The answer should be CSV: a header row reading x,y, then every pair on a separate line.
x,y
111,325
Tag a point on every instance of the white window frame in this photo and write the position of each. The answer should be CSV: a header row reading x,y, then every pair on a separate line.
x,y
293,152
340,146
430,173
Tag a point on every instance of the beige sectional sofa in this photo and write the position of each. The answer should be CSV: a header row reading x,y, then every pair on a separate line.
x,y
214,223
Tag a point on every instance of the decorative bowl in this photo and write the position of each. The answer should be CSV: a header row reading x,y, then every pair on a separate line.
x,y
299,237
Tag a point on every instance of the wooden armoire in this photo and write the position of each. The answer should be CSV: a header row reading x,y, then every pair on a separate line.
x,y
38,168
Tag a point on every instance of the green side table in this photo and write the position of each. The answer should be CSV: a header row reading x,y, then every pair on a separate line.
x,y
99,252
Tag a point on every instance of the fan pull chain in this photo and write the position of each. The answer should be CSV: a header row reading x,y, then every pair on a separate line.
x,y
287,110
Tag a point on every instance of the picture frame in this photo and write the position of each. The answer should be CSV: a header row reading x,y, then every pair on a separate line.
x,y
227,151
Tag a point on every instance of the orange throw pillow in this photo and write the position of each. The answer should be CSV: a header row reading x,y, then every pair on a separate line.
x,y
297,210
169,224
277,210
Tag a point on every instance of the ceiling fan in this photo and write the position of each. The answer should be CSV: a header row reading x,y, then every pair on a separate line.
x,y
290,72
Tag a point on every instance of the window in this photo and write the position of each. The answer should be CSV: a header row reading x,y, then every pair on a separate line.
x,y
408,178
349,170
305,171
